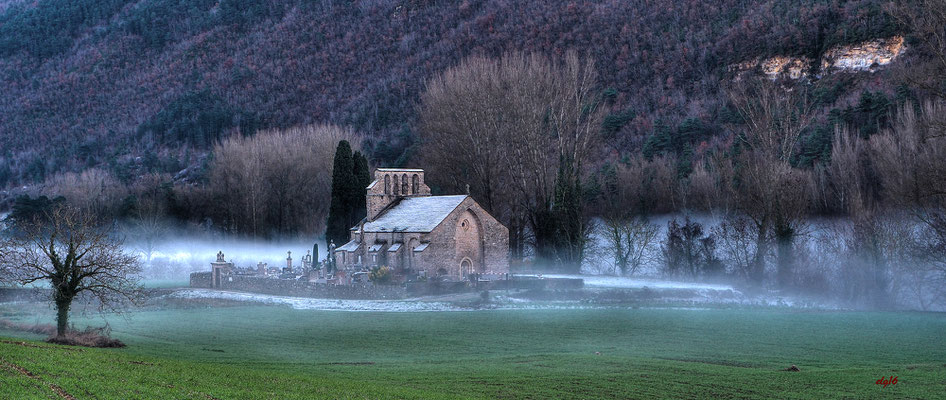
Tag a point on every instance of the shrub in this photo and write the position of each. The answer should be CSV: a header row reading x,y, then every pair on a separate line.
x,y
688,251
380,275
90,337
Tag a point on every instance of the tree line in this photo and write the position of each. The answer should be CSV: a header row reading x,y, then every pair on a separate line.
x,y
502,113
276,183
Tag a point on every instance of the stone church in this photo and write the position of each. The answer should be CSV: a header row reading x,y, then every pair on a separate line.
x,y
409,230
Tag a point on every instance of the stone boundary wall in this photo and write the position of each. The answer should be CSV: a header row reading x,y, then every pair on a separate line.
x,y
293,288
201,280
284,287
367,291
539,284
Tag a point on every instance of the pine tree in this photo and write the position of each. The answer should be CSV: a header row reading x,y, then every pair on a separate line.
x,y
343,181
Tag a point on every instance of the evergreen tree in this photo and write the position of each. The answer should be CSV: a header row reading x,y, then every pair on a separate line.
x,y
343,182
26,210
362,179
560,228
544,231
571,233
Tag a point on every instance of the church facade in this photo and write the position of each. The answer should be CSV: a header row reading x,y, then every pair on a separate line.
x,y
409,230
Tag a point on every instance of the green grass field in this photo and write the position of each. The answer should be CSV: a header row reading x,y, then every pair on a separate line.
x,y
277,352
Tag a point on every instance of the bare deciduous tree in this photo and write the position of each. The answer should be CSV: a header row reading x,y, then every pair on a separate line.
x,y
926,20
467,118
505,127
874,254
773,194
908,159
631,242
688,250
77,257
736,239
149,220
644,186
93,190
708,187
774,117
932,247
909,156
277,182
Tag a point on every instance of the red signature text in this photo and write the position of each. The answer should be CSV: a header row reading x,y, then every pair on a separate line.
x,y
892,380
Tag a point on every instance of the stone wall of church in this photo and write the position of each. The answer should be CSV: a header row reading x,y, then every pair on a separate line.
x,y
447,249
469,236
391,184
399,259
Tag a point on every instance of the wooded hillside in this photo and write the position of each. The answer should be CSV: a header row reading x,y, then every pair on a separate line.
x,y
150,86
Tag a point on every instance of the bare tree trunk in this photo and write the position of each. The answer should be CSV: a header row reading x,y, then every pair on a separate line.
x,y
62,315
543,232
758,260
616,239
784,238
516,237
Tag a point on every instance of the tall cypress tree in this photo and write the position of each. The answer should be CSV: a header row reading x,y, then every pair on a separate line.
x,y
362,179
343,180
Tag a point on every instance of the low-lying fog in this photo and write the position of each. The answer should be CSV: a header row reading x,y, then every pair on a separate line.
x,y
825,272
174,258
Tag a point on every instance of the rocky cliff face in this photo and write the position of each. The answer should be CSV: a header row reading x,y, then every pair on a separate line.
x,y
865,56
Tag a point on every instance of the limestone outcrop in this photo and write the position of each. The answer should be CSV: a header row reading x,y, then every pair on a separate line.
x,y
865,56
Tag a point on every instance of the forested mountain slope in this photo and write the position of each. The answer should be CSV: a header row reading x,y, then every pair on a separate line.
x,y
150,85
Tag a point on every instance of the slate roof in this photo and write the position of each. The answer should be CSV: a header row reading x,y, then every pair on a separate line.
x,y
350,246
422,247
376,247
415,214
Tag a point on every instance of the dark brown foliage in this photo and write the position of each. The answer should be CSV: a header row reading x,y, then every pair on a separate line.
x,y
90,337
132,78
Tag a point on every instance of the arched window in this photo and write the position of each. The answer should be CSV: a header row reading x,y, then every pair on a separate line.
x,y
404,189
387,184
415,182
411,245
396,186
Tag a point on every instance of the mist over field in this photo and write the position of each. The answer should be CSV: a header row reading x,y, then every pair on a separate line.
x,y
173,258
604,199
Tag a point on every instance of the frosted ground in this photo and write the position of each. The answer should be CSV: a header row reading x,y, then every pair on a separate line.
x,y
600,292
171,261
